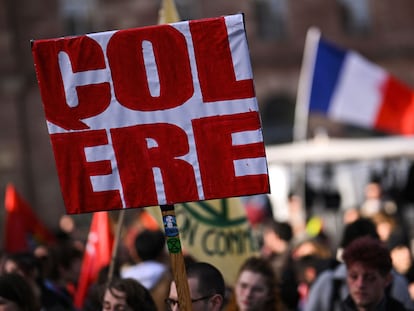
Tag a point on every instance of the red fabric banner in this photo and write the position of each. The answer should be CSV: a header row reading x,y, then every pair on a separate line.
x,y
97,255
23,229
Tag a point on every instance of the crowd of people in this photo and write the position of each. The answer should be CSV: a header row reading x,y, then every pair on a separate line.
x,y
370,269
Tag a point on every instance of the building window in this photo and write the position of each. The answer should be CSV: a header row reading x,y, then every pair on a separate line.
x,y
271,18
355,16
277,115
77,15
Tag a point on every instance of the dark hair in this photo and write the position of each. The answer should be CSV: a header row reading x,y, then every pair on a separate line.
x,y
210,279
61,255
149,244
359,228
282,229
369,251
262,266
27,262
137,296
14,287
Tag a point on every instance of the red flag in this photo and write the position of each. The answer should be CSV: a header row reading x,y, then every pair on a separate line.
x,y
23,230
97,254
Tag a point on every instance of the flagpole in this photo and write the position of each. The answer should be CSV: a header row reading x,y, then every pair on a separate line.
x,y
115,246
168,12
300,127
176,256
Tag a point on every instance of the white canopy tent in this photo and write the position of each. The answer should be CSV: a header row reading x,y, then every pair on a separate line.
x,y
353,160
340,150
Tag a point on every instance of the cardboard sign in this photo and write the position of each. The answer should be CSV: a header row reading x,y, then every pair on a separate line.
x,y
215,231
151,116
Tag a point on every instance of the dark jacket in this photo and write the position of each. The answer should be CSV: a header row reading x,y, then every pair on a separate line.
x,y
387,304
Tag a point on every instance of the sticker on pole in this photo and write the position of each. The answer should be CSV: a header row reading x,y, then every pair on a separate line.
x,y
155,115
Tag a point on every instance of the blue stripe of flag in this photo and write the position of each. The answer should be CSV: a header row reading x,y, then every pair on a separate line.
x,y
328,64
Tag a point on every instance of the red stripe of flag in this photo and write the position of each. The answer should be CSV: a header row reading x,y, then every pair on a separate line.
x,y
397,108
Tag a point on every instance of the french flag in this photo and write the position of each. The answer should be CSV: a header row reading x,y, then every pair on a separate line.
x,y
348,88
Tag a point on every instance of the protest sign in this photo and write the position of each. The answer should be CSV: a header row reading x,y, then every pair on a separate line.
x,y
215,231
155,115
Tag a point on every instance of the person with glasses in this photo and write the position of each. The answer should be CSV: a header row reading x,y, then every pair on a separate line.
x,y
206,286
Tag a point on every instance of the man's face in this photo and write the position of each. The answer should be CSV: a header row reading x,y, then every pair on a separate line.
x,y
366,285
251,291
197,304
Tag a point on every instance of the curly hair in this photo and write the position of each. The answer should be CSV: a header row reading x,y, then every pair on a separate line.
x,y
371,252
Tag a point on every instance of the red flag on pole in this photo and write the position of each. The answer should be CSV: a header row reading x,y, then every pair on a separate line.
x,y
97,254
23,230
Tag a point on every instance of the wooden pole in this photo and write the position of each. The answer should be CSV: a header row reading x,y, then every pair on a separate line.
x,y
176,256
115,247
168,14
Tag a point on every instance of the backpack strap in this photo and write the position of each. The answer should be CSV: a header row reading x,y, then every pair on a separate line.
x,y
335,297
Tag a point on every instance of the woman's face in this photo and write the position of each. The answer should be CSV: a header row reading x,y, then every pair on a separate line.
x,y
251,291
115,300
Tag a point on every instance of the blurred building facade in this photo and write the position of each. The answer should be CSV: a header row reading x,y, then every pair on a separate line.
x,y
276,29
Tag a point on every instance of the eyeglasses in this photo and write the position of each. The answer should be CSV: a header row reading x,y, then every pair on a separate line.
x,y
172,302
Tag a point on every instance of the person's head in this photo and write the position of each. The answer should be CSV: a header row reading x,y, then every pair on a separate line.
x,y
373,190
385,223
63,262
16,294
354,230
350,215
402,259
206,287
149,244
276,237
256,286
359,228
27,265
24,263
369,264
127,295
310,247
